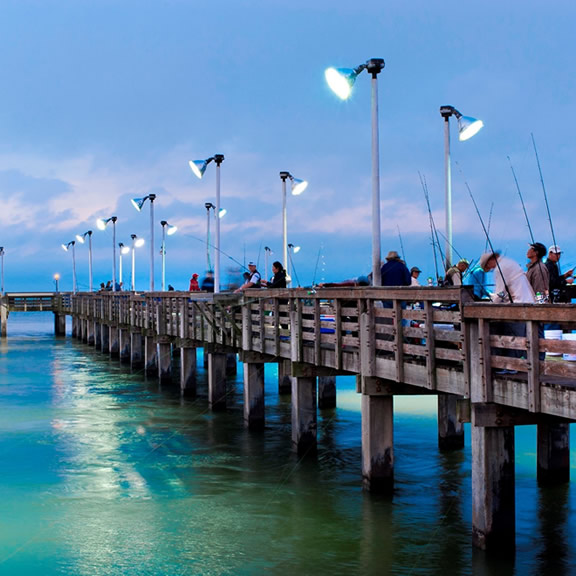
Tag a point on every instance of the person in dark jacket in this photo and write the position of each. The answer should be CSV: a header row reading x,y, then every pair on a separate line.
x,y
207,284
395,272
279,278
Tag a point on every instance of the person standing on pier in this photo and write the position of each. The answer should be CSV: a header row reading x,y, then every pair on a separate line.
x,y
279,278
558,282
194,286
537,272
414,273
454,273
395,272
254,280
208,282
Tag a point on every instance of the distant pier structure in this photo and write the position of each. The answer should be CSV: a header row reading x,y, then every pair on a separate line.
x,y
396,341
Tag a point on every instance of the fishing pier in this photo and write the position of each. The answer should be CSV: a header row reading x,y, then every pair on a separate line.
x,y
401,341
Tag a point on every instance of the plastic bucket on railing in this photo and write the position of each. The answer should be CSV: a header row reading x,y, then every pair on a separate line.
x,y
569,336
553,335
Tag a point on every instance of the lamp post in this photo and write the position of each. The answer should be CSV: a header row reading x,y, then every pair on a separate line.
x,y
341,81
136,243
122,250
2,266
298,186
209,206
102,224
199,167
56,278
467,127
81,238
166,229
66,247
289,264
138,203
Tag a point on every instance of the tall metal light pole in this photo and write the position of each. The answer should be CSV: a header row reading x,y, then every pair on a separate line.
x,y
199,167
2,265
267,254
341,81
298,186
122,250
209,206
166,229
81,238
102,224
136,243
138,203
66,247
467,127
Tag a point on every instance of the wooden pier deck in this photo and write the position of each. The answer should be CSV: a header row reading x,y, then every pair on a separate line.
x,y
395,341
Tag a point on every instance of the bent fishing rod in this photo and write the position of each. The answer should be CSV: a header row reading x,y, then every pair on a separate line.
x,y
432,226
521,200
489,243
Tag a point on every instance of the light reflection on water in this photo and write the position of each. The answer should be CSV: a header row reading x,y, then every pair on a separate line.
x,y
102,472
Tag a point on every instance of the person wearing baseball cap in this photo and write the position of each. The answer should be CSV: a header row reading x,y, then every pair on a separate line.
x,y
557,282
414,273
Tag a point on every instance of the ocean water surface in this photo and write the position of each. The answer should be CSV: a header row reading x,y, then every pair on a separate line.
x,y
104,472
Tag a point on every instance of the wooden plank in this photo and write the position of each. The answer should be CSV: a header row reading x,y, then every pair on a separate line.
x,y
533,365
430,347
398,340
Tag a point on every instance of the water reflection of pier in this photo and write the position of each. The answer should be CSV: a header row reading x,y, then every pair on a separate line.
x,y
396,342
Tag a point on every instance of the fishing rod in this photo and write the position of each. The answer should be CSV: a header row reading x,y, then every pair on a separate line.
x,y
433,232
489,224
489,243
218,249
401,244
522,199
544,191
316,267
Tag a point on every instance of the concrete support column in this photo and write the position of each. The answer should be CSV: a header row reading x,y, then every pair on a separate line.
x,y
254,395
304,415
75,329
124,344
164,361
326,392
59,324
450,430
90,332
114,341
150,355
188,369
84,324
284,378
216,380
553,453
493,498
136,350
231,365
4,320
105,338
378,443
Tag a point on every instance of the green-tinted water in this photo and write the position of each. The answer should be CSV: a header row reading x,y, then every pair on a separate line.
x,y
104,473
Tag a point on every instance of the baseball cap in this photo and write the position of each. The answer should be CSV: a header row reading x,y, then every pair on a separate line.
x,y
555,248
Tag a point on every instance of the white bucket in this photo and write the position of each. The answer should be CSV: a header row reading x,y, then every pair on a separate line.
x,y
569,336
553,335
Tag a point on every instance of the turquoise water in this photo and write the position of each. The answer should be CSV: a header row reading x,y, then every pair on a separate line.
x,y
102,472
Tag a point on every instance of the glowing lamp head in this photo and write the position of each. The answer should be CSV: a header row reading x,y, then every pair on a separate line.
x,y
139,242
222,212
468,127
80,238
298,186
198,167
341,81
101,224
171,230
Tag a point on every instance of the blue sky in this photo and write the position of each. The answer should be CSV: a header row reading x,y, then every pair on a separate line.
x,y
107,100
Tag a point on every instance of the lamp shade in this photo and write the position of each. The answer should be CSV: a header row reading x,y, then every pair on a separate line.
x,y
341,81
298,186
101,224
198,167
80,238
171,230
138,203
468,127
139,242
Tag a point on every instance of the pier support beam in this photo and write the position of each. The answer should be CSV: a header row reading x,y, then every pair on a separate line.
x,y
216,380
124,344
378,443
553,453
150,355
90,332
4,319
164,362
105,338
231,364
304,415
284,378
493,497
76,332
97,335
326,392
136,350
114,342
188,369
254,412
59,324
450,430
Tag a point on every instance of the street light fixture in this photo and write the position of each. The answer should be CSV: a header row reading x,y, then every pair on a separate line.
x,y
341,81
102,224
66,247
136,243
122,250
138,203
198,167
289,263
298,186
166,229
81,238
222,212
467,127
56,278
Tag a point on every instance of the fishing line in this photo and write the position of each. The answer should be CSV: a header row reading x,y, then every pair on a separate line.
x,y
432,227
